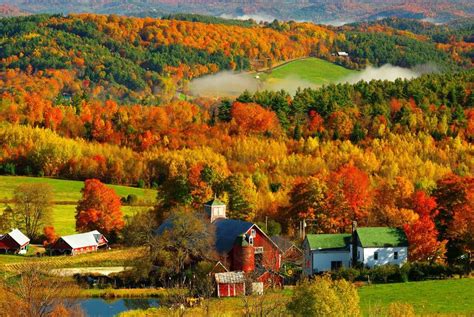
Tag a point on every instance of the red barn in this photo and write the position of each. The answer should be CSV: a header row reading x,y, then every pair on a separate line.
x,y
230,284
14,242
78,243
243,248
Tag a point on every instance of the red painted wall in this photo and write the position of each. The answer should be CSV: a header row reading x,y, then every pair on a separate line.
x,y
231,290
241,259
271,254
8,243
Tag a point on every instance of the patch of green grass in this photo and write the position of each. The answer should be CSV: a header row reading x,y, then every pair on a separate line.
x,y
64,220
453,296
68,193
313,70
65,190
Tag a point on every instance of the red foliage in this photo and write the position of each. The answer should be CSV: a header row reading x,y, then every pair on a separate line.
x,y
423,241
50,235
423,204
350,194
99,209
250,117
316,122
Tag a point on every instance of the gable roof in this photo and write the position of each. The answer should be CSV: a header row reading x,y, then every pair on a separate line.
x,y
328,241
81,240
230,277
381,237
283,243
227,231
19,237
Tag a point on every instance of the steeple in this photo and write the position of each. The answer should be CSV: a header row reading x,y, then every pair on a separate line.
x,y
215,209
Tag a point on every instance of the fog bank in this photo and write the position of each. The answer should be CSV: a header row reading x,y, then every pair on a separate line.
x,y
228,83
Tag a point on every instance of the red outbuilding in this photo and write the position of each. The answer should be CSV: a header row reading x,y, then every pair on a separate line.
x,y
14,242
230,284
78,243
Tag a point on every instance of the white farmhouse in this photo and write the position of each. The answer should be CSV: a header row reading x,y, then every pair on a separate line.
x,y
381,245
370,246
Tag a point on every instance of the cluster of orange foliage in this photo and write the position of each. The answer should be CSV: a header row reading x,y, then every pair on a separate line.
x,y
99,209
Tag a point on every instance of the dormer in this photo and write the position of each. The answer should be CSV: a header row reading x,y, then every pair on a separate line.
x,y
215,209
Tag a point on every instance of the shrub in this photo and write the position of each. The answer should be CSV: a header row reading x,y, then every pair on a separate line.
x,y
324,297
132,199
397,309
349,274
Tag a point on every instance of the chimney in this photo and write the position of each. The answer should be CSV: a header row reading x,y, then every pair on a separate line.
x,y
354,243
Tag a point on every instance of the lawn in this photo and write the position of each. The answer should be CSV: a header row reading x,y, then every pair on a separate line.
x,y
67,193
65,190
64,220
312,70
454,296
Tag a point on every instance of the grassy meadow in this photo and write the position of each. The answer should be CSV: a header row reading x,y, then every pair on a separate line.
x,y
441,297
311,70
66,194
455,296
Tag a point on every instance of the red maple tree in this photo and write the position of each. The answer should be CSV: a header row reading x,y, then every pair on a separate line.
x,y
99,209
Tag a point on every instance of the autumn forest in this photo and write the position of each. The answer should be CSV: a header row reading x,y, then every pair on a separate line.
x,y
106,97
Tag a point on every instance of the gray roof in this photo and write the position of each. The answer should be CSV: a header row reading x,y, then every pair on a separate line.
x,y
227,231
230,277
284,243
81,240
19,237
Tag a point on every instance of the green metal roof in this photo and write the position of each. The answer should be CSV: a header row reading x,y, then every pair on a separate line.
x,y
381,237
328,241
214,202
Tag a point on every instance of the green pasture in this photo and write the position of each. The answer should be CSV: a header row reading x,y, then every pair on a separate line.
x,y
454,296
312,70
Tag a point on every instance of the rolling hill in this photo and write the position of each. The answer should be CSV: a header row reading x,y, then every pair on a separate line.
x,y
320,11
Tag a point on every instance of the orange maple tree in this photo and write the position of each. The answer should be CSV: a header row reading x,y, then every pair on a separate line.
x,y
99,209
422,234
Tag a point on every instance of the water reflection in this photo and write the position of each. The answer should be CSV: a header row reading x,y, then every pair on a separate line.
x,y
97,307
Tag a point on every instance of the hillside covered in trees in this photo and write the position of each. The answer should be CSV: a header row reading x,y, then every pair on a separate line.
x,y
89,96
145,60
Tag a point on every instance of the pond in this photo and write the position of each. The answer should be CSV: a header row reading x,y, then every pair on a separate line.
x,y
98,307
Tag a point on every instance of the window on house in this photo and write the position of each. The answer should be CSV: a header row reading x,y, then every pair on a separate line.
x,y
251,240
395,255
376,255
335,265
358,254
253,233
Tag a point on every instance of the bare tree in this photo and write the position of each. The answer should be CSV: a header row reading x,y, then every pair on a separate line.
x,y
36,294
33,204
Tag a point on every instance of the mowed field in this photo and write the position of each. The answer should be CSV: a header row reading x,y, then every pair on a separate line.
x,y
66,194
310,70
455,296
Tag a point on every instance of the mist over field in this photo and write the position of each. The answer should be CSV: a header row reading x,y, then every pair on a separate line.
x,y
228,83
256,17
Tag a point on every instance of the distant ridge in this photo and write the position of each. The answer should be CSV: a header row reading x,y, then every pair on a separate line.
x,y
319,11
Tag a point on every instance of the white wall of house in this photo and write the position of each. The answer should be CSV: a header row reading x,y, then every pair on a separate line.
x,y
321,260
385,256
